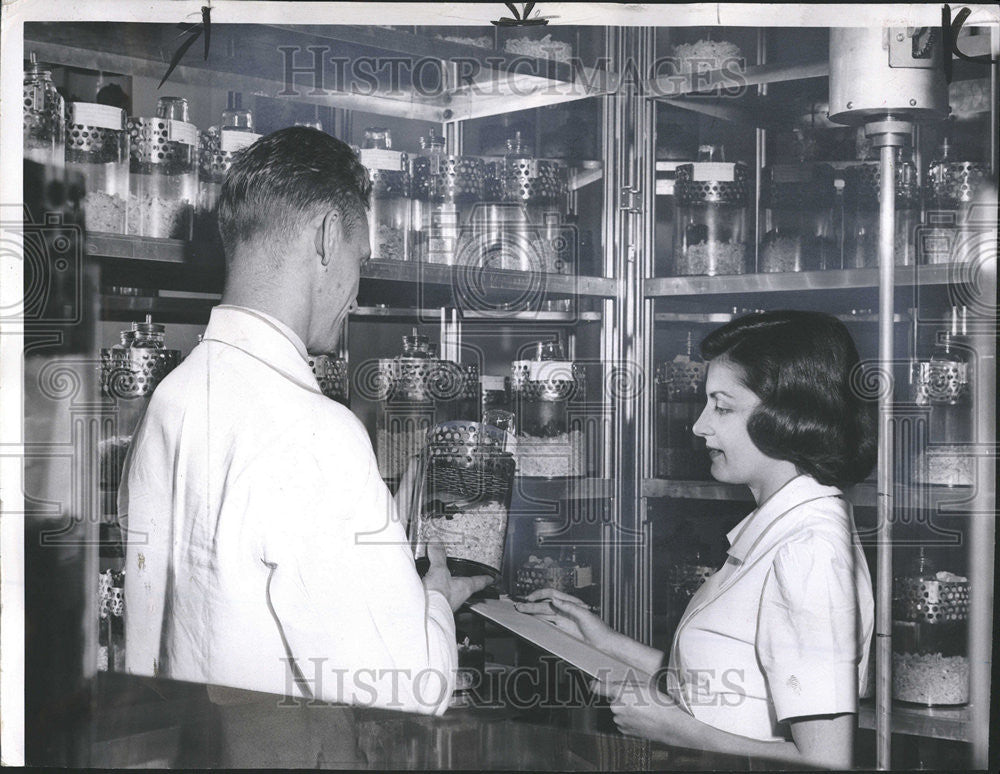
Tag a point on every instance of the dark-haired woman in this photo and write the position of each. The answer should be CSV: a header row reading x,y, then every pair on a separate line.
x,y
772,652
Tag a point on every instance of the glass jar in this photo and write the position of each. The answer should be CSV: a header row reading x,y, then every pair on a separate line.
x,y
235,117
942,383
930,664
494,393
446,188
44,118
377,137
680,397
950,188
541,389
711,232
799,219
406,408
98,148
163,186
331,376
389,218
467,478
130,371
861,215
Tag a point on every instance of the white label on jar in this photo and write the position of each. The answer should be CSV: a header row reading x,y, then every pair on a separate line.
x,y
720,171
232,140
493,383
377,158
92,114
665,187
182,132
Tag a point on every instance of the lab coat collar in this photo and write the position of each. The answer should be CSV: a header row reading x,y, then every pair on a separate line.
x,y
798,490
262,337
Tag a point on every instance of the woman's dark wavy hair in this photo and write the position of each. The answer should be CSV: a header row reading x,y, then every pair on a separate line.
x,y
802,366
282,178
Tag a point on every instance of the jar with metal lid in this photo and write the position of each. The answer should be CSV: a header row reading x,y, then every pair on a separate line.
x,y
331,375
130,371
163,187
942,383
680,397
799,223
235,117
97,146
930,664
466,478
414,390
495,393
711,230
542,388
950,187
43,119
445,189
861,214
389,218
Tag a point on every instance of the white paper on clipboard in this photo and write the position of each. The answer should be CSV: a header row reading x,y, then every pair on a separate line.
x,y
557,642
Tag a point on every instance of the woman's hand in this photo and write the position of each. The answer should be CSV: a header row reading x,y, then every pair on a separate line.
x,y
641,710
570,614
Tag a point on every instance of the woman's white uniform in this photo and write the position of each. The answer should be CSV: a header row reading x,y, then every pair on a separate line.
x,y
783,629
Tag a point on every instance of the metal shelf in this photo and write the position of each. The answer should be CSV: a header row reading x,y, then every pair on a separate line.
x,y
935,722
489,279
905,497
678,85
250,60
136,248
556,489
784,282
176,251
379,312
717,318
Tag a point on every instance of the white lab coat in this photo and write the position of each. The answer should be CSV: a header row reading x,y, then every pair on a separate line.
x,y
784,628
259,534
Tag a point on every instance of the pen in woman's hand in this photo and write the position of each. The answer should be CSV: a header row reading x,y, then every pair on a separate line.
x,y
519,598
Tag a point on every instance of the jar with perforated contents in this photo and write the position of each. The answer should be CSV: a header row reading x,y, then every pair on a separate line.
x,y
711,230
163,186
97,147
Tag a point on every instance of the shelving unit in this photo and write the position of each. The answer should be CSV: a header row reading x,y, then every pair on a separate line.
x,y
628,303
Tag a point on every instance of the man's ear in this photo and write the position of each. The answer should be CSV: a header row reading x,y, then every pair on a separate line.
x,y
330,235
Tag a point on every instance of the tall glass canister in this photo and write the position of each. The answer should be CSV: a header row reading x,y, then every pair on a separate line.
x,y
164,172
861,215
44,119
389,219
799,233
97,146
711,230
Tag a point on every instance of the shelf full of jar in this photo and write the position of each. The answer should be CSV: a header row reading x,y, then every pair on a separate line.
x,y
909,496
784,282
252,59
125,303
176,251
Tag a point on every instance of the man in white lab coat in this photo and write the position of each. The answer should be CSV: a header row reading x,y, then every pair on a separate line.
x,y
263,549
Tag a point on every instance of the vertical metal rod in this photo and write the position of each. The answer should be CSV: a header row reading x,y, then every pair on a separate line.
x,y
883,607
761,153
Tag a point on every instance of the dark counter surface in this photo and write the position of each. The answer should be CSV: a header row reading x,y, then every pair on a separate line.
x,y
143,721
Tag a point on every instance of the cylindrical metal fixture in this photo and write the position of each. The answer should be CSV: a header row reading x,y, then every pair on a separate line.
x,y
875,71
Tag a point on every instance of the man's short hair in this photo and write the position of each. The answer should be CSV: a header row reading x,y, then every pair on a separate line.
x,y
283,179
804,368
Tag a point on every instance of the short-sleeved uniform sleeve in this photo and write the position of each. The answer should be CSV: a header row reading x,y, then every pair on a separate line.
x,y
807,634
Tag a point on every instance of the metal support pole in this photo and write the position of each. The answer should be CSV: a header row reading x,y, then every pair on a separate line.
x,y
887,134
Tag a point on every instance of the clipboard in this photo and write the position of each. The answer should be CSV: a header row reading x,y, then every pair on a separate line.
x,y
554,640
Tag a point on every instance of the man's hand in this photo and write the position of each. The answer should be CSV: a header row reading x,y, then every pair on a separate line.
x,y
439,578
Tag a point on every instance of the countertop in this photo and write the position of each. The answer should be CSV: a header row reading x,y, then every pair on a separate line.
x,y
164,723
